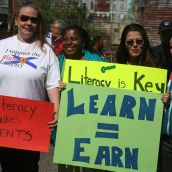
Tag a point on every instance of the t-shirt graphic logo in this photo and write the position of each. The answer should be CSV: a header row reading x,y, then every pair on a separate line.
x,y
19,60
25,60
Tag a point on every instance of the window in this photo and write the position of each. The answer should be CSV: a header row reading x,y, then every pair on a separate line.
x,y
3,2
121,6
92,5
114,7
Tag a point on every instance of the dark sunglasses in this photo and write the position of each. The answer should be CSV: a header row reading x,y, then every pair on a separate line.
x,y
137,41
24,18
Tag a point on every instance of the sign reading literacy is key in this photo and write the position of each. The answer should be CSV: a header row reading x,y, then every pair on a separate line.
x,y
114,75
24,123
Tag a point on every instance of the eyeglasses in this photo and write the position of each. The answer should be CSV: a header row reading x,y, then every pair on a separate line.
x,y
131,42
24,18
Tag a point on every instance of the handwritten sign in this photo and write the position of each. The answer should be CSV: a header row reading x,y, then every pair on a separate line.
x,y
111,129
115,75
24,123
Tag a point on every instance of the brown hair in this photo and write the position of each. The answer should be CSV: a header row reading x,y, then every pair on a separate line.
x,y
146,57
41,31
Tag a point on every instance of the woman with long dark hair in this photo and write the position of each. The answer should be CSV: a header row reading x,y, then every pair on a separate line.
x,y
134,47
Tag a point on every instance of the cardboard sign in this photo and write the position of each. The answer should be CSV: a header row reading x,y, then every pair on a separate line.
x,y
24,123
115,75
112,129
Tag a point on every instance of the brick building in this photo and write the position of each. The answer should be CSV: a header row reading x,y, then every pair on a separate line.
x,y
151,13
107,15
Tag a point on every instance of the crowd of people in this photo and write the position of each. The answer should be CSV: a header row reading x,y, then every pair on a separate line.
x,y
40,80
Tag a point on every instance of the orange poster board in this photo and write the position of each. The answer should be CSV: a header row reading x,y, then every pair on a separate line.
x,y
24,123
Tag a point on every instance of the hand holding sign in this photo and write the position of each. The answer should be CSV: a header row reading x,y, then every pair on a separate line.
x,y
62,85
53,123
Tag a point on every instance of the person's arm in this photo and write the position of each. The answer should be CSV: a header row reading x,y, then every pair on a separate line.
x,y
54,97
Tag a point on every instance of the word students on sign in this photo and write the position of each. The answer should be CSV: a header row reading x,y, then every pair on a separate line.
x,y
22,125
101,129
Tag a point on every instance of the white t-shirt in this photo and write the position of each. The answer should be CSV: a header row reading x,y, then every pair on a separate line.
x,y
49,38
26,71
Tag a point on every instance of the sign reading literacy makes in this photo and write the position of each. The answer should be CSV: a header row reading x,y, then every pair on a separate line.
x,y
111,129
24,123
115,75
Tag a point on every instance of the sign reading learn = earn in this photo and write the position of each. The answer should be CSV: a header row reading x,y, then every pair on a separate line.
x,y
109,129
114,75
24,123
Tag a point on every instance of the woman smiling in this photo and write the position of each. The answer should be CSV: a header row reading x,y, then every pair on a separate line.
x,y
29,69
134,47
75,40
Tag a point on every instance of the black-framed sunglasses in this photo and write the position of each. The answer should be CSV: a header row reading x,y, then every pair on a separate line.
x,y
25,18
131,42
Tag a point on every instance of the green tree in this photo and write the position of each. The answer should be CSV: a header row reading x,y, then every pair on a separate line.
x,y
45,6
70,11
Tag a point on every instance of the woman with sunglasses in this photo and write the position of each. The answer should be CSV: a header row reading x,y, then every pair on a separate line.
x,y
29,69
134,47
